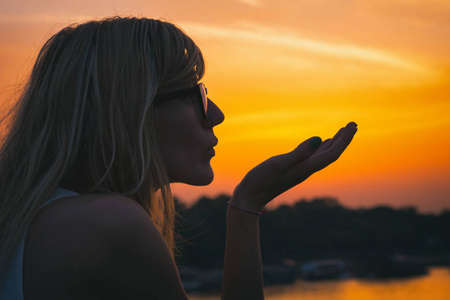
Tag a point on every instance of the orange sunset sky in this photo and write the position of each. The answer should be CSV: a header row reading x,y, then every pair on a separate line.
x,y
283,71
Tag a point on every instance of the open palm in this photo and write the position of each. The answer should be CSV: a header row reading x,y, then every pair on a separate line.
x,y
282,172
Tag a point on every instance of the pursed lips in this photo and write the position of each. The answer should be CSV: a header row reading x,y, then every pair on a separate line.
x,y
211,150
214,142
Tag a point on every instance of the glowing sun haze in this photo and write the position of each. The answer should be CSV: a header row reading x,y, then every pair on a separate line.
x,y
283,71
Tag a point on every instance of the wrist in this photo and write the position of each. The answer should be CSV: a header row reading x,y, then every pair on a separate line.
x,y
245,201
247,210
242,197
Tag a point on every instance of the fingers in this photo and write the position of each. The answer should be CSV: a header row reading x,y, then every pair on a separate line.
x,y
328,152
334,148
299,154
314,146
327,144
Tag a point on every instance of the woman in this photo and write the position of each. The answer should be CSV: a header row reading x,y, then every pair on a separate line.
x,y
112,114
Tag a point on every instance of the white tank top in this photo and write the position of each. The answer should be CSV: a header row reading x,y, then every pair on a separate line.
x,y
11,285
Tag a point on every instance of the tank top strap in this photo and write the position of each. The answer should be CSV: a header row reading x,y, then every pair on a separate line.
x,y
57,194
11,285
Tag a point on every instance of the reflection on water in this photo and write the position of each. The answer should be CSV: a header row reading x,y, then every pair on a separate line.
x,y
434,286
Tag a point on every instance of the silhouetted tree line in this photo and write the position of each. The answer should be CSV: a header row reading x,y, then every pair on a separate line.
x,y
317,229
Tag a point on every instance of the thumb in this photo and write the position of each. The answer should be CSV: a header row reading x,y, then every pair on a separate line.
x,y
301,153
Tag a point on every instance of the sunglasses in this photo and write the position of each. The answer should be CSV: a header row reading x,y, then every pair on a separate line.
x,y
198,90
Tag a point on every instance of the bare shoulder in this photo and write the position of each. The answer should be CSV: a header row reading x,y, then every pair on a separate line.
x,y
104,245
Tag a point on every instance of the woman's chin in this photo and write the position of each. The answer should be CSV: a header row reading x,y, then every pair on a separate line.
x,y
202,178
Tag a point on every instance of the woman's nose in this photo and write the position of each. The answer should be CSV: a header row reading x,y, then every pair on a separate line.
x,y
215,115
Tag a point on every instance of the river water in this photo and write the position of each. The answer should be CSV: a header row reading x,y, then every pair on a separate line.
x,y
433,286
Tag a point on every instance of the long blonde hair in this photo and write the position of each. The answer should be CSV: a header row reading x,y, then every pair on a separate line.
x,y
85,121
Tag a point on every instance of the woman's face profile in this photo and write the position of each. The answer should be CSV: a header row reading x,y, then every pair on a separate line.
x,y
187,140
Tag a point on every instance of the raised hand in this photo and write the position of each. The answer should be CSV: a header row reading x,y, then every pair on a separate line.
x,y
282,172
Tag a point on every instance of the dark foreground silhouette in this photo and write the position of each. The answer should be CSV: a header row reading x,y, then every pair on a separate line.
x,y
380,242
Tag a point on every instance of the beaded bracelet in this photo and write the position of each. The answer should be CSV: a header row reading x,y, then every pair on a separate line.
x,y
258,213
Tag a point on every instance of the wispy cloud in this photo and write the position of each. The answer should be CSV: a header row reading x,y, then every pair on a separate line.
x,y
265,35
254,3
